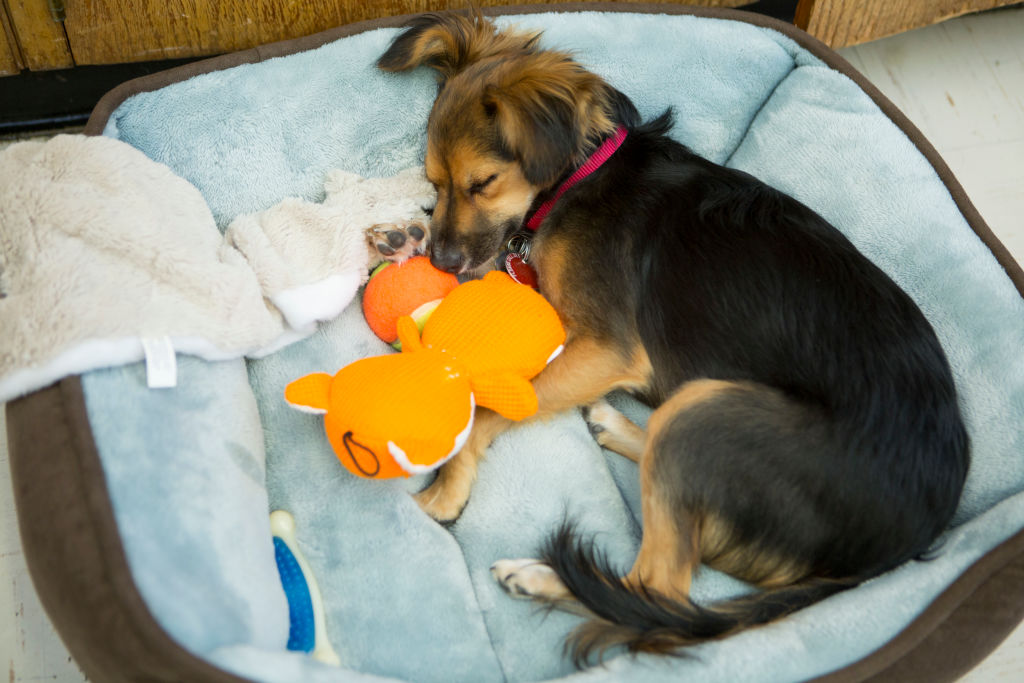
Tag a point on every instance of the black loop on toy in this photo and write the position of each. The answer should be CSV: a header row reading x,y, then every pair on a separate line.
x,y
346,439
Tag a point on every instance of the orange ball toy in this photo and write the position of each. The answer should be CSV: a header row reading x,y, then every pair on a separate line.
x,y
412,288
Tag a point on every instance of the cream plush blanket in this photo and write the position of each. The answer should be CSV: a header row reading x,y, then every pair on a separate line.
x,y
107,257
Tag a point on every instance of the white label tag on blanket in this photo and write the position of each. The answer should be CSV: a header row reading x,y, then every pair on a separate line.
x,y
161,365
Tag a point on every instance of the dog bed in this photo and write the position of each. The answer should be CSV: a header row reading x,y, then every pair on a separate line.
x,y
144,512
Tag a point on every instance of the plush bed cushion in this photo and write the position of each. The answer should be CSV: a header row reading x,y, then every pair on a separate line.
x,y
193,472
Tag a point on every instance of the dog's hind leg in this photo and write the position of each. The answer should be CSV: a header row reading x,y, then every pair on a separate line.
x,y
614,431
585,371
668,556
670,546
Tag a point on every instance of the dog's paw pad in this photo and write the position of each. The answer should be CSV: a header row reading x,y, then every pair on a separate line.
x,y
398,241
396,238
528,578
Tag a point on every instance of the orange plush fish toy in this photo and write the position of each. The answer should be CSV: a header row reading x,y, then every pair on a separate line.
x,y
407,413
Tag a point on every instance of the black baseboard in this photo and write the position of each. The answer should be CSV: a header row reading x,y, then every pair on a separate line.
x,y
779,9
44,100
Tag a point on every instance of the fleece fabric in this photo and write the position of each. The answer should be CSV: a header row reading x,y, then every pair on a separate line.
x,y
406,598
103,251
101,247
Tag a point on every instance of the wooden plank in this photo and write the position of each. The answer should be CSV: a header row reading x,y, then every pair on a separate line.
x,y
111,31
10,57
847,22
41,40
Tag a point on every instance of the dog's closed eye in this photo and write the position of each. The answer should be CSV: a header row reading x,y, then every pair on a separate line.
x,y
479,186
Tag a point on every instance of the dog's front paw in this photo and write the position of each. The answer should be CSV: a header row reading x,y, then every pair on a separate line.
x,y
439,504
526,578
397,241
602,420
614,431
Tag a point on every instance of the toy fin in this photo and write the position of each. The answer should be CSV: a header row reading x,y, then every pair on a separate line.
x,y
505,393
409,334
310,393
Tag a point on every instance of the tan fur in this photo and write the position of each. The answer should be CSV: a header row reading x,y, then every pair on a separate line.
x,y
529,578
447,495
498,81
509,194
668,553
509,122
715,540
515,89
582,373
454,172
551,258
690,394
501,81
617,433
461,40
671,546
721,550
532,82
586,371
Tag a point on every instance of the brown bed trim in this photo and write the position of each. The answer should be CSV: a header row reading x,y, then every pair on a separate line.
x,y
80,570
957,630
73,547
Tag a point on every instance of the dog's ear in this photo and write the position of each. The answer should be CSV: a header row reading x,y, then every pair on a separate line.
x,y
448,42
549,113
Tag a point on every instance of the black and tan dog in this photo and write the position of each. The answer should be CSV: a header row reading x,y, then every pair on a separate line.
x,y
807,434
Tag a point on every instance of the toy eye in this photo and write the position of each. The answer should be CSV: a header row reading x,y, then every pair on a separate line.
x,y
479,186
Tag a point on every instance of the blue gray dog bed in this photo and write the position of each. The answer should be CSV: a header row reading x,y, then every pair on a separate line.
x,y
145,513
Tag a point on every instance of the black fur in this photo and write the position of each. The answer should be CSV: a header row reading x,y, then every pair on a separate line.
x,y
845,450
644,621
838,453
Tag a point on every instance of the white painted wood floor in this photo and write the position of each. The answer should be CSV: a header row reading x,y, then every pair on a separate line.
x,y
961,82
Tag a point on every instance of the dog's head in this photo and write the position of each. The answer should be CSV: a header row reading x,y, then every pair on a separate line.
x,y
510,119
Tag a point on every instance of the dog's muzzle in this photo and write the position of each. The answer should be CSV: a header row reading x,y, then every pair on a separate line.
x,y
447,258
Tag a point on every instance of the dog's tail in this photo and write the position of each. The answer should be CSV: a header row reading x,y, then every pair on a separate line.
x,y
643,621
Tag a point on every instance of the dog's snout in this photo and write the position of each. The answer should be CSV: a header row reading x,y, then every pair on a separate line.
x,y
447,258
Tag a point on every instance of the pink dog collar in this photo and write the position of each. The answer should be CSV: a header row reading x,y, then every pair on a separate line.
x,y
594,162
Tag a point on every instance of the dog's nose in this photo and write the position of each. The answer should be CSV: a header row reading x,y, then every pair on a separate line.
x,y
447,259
